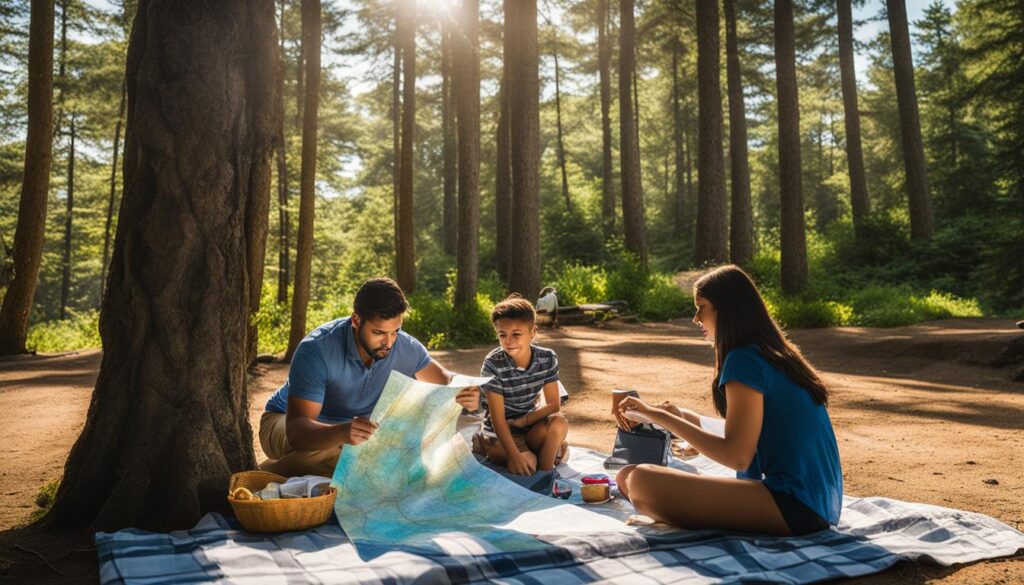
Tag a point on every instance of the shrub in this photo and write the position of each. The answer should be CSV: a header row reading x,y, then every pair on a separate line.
x,y
895,306
628,281
578,284
79,331
808,313
439,325
664,300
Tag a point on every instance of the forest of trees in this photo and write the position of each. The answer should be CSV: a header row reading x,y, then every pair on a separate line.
x,y
470,148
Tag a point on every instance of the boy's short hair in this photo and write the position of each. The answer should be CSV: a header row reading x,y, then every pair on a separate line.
x,y
516,308
380,298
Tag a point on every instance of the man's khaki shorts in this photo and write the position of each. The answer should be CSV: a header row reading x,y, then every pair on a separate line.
x,y
289,462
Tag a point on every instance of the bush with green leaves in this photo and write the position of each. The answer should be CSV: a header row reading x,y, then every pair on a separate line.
x,y
664,300
578,284
79,331
438,324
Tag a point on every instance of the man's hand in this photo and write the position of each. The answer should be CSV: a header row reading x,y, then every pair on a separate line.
x,y
519,465
357,431
469,398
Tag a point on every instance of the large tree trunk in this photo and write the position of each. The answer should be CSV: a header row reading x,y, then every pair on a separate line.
x,y
467,101
503,170
283,219
396,126
450,209
604,61
168,422
524,116
712,225
859,200
794,238
114,190
503,185
69,211
629,156
679,196
406,252
910,124
741,228
35,183
558,125
311,22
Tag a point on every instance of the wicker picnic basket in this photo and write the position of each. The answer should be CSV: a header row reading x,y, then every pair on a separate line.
x,y
277,515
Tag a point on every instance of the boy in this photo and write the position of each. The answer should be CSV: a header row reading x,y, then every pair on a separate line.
x,y
517,431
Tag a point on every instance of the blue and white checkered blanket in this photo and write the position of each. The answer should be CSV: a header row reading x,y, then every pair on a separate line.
x,y
874,533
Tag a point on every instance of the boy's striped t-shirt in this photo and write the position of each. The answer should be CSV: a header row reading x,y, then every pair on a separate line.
x,y
520,387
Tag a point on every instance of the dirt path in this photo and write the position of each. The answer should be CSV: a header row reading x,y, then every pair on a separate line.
x,y
917,414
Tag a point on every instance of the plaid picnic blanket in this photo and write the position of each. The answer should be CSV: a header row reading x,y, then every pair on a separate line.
x,y
874,534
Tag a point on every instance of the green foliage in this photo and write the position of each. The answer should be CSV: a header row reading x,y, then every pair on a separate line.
x,y
79,331
808,313
44,499
628,281
578,284
663,299
440,325
894,306
273,320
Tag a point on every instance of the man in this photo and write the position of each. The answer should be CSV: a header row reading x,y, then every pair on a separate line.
x,y
335,378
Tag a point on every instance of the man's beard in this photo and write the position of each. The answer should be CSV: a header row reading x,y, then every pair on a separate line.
x,y
373,352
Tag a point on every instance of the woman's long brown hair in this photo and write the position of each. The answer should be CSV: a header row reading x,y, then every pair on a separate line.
x,y
742,319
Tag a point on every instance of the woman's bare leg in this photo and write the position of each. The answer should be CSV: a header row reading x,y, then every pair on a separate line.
x,y
546,438
693,501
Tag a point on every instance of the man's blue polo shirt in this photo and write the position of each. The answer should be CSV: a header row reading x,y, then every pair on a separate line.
x,y
326,368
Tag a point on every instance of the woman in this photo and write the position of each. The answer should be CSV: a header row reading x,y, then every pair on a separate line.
x,y
778,436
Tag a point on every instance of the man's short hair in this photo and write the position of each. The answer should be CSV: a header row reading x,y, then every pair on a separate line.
x,y
516,308
380,298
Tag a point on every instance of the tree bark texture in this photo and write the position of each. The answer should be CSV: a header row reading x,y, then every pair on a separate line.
x,y
629,154
741,227
396,127
679,197
910,122
113,191
69,214
450,208
284,227
604,60
467,101
524,117
503,176
712,225
35,183
859,201
558,124
406,252
311,23
168,422
793,235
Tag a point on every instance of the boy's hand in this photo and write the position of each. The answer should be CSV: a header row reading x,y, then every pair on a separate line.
x,y
518,422
520,465
469,398
357,431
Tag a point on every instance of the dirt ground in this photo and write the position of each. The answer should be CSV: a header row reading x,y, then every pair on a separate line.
x,y
918,415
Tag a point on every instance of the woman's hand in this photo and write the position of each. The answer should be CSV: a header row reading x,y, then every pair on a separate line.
x,y
670,408
632,404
